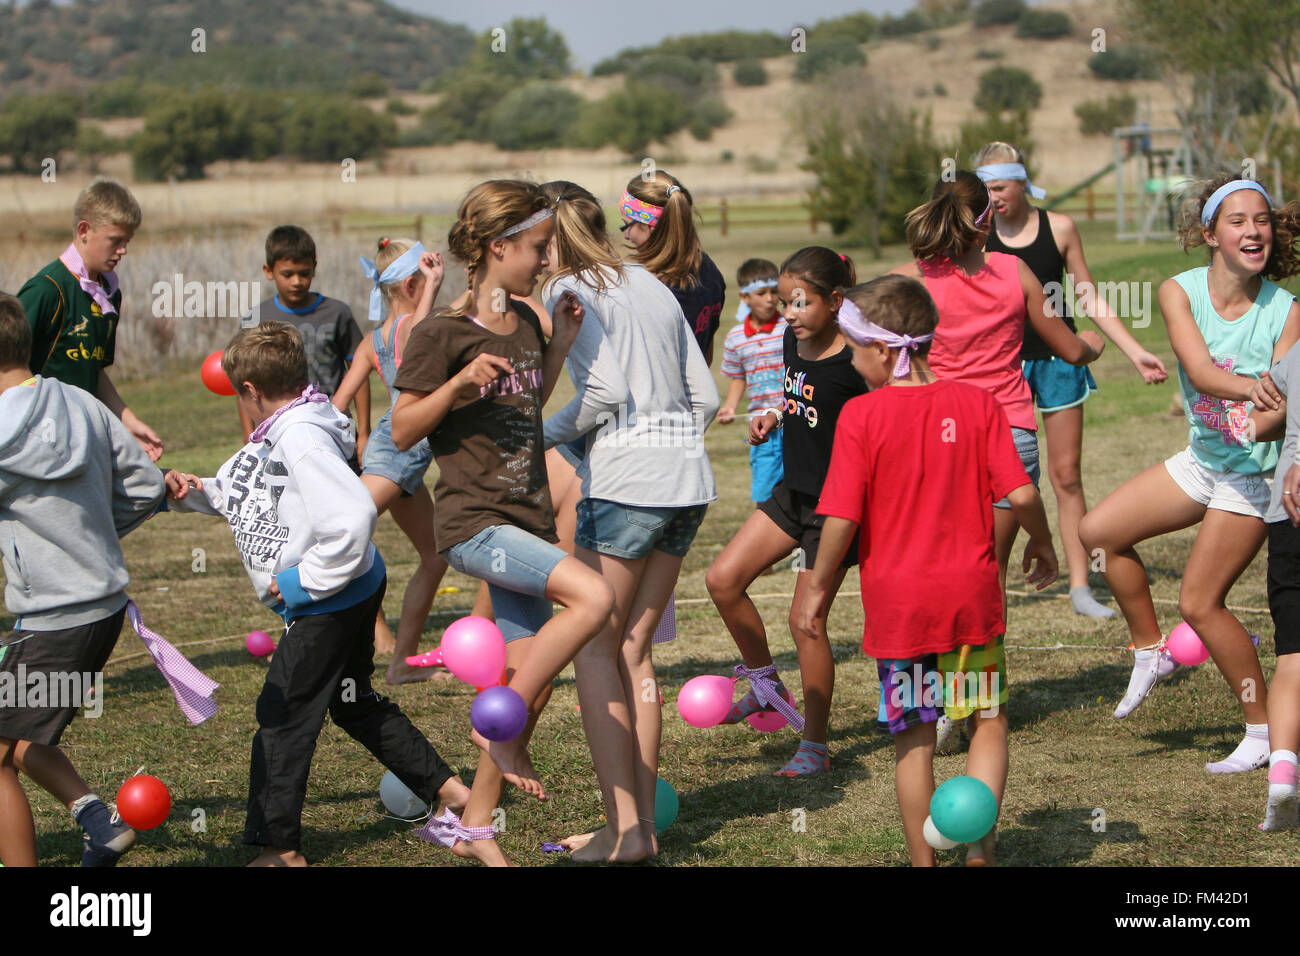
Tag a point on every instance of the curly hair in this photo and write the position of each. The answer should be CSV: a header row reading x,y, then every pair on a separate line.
x,y
1283,260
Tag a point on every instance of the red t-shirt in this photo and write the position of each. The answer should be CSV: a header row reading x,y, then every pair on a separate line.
x,y
919,469
981,330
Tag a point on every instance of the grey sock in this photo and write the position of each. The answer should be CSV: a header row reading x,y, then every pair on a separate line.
x,y
82,802
1084,603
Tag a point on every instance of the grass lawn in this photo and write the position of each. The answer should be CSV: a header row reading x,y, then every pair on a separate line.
x,y
1068,757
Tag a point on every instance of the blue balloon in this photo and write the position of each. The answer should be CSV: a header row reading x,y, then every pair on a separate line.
x,y
499,713
666,805
964,809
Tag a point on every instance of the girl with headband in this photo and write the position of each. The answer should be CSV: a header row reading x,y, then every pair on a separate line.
x,y
405,279
1049,243
1228,323
643,399
819,379
658,223
474,379
915,465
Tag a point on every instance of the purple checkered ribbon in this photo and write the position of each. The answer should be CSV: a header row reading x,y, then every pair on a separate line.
x,y
666,630
192,687
447,829
764,688
309,394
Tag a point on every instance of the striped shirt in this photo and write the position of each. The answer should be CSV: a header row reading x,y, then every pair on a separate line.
x,y
757,359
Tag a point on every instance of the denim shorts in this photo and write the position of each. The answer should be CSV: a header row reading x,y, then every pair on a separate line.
x,y
573,451
1027,448
631,532
403,468
516,566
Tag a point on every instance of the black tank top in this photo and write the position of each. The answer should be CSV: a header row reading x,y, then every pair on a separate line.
x,y
1046,263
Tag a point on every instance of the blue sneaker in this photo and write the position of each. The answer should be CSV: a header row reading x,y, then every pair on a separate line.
x,y
106,837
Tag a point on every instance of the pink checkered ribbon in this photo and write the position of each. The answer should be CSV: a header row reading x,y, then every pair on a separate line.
x,y
764,688
192,687
309,394
71,258
447,829
666,630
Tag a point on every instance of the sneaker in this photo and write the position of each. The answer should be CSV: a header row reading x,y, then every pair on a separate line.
x,y
106,838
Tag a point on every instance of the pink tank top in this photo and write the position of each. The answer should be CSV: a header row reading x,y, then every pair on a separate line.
x,y
981,328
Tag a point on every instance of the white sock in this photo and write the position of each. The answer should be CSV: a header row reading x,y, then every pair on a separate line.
x,y
1146,671
1251,754
1283,810
1087,605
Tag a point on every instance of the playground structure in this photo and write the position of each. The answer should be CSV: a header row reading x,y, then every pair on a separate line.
x,y
1153,165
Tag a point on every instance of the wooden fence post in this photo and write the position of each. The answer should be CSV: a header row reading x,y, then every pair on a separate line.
x,y
722,214
1092,209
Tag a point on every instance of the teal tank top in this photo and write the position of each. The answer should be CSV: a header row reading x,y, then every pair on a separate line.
x,y
1245,347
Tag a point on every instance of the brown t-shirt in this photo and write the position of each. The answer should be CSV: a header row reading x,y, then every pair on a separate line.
x,y
489,451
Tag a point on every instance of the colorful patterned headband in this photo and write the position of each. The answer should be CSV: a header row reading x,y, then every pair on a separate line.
x,y
1222,193
855,325
639,210
540,216
1009,171
407,264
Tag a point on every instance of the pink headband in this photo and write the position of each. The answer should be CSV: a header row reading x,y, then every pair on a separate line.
x,y
855,325
639,211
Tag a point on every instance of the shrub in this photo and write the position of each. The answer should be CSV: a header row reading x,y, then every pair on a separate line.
x,y
1099,117
826,57
913,21
1124,63
1007,88
749,73
35,127
396,106
534,116
986,54
992,12
859,27
631,118
708,114
1043,24
368,85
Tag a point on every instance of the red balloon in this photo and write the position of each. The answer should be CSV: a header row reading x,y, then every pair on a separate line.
x,y
214,376
144,802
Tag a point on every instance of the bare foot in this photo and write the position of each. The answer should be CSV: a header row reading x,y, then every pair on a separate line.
x,y
511,759
578,841
649,837
607,846
400,672
453,795
982,853
485,851
275,856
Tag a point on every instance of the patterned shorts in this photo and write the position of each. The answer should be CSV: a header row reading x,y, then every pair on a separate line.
x,y
958,683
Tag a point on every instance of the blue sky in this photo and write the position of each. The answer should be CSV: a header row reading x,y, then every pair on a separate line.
x,y
596,29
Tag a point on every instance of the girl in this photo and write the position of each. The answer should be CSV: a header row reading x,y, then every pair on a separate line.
x,y
1049,243
475,380
819,379
644,399
1228,323
984,299
659,225
406,278
921,501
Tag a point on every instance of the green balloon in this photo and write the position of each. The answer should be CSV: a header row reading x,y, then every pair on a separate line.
x,y
666,805
964,809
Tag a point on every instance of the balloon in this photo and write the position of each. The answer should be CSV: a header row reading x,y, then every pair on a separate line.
x,y
143,802
963,809
1185,646
214,376
259,643
769,720
705,700
666,805
501,681
474,650
399,799
499,713
934,837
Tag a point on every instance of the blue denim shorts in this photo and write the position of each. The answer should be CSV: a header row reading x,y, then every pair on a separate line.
x,y
631,532
573,451
1027,447
403,468
516,566
767,466
1056,384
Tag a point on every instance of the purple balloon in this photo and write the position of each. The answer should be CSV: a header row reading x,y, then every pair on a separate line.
x,y
498,713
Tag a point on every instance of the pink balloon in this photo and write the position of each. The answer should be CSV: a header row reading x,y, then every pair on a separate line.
x,y
705,700
474,650
259,643
1186,647
769,720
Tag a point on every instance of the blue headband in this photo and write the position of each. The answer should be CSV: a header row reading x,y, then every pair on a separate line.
x,y
1009,171
758,285
408,263
1222,193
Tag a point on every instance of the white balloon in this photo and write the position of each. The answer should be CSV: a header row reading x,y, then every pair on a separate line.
x,y
399,799
935,838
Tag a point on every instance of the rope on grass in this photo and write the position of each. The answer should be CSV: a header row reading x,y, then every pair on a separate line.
x,y
1033,594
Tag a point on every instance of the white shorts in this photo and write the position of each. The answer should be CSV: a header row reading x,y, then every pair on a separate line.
x,y
1221,490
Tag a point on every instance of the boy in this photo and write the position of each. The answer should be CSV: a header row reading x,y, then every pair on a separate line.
x,y
302,523
326,325
917,464
72,481
73,303
752,359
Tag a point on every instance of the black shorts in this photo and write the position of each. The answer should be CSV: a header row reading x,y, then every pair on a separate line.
x,y
795,513
1284,585
39,708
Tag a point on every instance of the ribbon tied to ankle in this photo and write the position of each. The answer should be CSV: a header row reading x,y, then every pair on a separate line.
x,y
765,689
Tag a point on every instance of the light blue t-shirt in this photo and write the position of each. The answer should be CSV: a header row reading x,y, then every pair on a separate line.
x,y
1244,347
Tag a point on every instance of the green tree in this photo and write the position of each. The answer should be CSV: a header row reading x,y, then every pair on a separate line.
x,y
182,135
1043,24
1007,88
525,49
533,116
35,127
462,111
633,117
1099,117
992,12
749,73
826,57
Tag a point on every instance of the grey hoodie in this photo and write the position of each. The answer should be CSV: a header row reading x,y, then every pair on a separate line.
x,y
72,481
